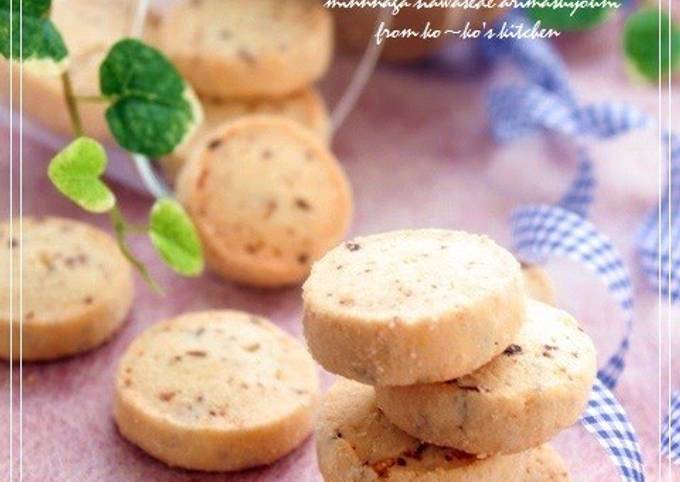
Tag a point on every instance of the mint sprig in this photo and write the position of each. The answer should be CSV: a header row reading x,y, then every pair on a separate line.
x,y
151,111
33,35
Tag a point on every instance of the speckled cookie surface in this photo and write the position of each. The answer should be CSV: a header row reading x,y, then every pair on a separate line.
x,y
248,48
268,198
216,391
411,307
356,443
77,287
546,465
538,284
306,107
538,386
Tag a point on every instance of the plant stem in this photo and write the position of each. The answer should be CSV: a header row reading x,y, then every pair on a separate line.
x,y
91,98
137,229
121,227
71,104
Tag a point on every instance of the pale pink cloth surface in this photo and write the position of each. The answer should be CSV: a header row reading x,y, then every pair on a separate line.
x,y
418,154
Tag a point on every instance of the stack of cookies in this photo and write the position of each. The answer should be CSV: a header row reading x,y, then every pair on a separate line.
x,y
454,373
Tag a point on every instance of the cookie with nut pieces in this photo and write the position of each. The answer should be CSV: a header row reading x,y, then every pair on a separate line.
x,y
411,307
248,48
306,107
267,197
70,283
537,387
216,391
357,443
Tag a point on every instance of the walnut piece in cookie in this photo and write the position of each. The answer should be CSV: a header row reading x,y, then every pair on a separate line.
x,y
77,288
216,391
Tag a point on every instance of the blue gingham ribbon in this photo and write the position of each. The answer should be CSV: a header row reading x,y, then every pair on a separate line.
x,y
653,247
554,230
670,440
546,102
654,240
607,421
543,230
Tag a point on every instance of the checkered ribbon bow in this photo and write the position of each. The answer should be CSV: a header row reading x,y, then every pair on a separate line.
x,y
546,102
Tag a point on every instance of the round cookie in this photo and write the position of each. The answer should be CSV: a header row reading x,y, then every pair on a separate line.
x,y
216,391
77,288
356,443
546,465
537,283
267,197
306,107
524,397
411,307
248,48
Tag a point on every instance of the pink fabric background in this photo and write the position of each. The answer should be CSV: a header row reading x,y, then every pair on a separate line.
x,y
418,155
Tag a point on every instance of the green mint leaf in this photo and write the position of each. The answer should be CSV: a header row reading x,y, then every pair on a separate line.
x,y
153,109
175,238
33,36
149,128
40,38
76,172
561,18
641,37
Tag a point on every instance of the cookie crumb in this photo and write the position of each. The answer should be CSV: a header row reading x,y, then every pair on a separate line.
x,y
247,57
512,350
214,144
382,467
197,353
302,204
352,246
252,348
303,258
166,396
